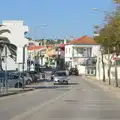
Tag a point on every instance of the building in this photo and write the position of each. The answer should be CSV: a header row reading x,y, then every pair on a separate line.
x,y
36,54
17,37
42,55
81,52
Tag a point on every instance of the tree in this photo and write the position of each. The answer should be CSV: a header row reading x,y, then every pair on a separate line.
x,y
5,41
109,37
116,1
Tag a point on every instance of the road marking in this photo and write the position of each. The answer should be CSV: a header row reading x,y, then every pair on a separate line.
x,y
24,115
90,90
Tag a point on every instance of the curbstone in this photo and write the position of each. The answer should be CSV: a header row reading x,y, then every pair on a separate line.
x,y
16,92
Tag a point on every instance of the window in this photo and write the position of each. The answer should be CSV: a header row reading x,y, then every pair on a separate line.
x,y
66,50
80,50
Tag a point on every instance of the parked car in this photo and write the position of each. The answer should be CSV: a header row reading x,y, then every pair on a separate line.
x,y
60,77
73,71
52,74
27,76
13,80
35,76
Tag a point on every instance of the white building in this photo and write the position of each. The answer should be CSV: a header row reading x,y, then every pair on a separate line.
x,y
79,51
17,37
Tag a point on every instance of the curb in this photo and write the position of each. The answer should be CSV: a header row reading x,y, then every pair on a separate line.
x,y
17,92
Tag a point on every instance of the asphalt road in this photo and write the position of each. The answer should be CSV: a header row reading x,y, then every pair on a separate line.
x,y
80,100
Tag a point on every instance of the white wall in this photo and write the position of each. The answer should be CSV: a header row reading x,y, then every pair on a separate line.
x,y
68,51
73,48
99,68
95,50
17,32
16,37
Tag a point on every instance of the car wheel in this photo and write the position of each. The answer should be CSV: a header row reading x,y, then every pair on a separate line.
x,y
66,83
18,85
28,82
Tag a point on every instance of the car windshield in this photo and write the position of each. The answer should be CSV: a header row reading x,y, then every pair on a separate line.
x,y
60,74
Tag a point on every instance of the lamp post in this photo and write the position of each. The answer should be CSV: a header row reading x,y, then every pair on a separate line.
x,y
39,26
23,63
108,44
6,75
58,59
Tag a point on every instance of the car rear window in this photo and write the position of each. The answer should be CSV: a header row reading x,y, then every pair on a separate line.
x,y
60,74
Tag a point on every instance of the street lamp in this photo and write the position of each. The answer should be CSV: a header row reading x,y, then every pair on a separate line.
x,y
39,26
23,63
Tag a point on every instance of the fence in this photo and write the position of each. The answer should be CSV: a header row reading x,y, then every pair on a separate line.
x,y
2,85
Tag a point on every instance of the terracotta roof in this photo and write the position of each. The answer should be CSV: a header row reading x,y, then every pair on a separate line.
x,y
39,47
61,45
35,47
83,40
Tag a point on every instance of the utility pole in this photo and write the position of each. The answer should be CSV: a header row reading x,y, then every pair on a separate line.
x,y
6,75
23,65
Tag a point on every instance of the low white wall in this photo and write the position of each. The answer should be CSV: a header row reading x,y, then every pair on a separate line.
x,y
99,68
81,69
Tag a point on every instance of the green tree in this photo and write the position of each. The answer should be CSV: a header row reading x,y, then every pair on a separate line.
x,y
109,37
116,1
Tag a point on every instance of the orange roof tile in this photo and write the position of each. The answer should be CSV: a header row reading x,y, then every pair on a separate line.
x,y
35,47
83,40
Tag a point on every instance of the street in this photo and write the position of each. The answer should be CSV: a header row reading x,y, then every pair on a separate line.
x,y
80,100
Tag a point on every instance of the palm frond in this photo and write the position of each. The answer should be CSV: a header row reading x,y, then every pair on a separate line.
x,y
4,31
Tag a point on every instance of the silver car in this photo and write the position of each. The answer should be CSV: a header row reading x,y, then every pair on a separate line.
x,y
61,77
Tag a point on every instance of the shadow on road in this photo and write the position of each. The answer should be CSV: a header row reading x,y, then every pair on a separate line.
x,y
73,83
47,87
45,80
53,86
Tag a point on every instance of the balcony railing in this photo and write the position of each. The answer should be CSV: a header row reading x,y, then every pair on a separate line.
x,y
81,55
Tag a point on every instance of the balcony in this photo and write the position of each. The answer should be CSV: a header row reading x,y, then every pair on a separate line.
x,y
82,52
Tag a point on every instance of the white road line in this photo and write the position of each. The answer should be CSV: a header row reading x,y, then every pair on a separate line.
x,y
33,110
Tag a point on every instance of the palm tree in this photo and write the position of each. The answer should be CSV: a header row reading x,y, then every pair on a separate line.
x,y
4,41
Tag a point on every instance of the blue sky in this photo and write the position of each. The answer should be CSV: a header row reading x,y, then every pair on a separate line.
x,y
64,18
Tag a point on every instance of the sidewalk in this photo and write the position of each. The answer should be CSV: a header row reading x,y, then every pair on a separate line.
x,y
13,91
105,86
